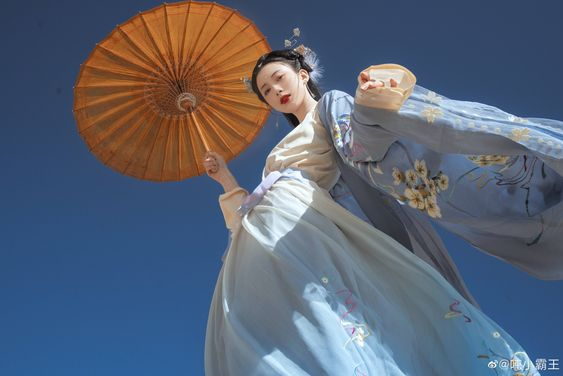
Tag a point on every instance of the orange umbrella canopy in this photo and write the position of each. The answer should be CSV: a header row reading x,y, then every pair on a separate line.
x,y
166,86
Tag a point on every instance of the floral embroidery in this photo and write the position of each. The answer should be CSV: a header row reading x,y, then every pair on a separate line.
x,y
489,160
517,119
520,134
454,312
358,331
432,97
358,372
431,113
398,176
337,136
341,130
421,189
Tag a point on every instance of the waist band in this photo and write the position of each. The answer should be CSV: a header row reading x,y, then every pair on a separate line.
x,y
256,196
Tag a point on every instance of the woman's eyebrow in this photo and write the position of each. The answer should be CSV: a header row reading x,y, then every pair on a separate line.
x,y
262,87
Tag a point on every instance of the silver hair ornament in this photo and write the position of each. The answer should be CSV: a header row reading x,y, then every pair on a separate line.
x,y
312,60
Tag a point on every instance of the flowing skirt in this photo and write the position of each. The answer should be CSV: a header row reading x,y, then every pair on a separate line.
x,y
307,288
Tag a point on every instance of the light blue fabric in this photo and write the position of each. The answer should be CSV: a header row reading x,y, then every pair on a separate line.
x,y
310,288
504,173
307,288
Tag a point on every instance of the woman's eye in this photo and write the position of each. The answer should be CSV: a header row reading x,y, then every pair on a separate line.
x,y
266,92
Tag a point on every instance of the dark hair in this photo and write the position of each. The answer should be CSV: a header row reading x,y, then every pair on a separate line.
x,y
293,59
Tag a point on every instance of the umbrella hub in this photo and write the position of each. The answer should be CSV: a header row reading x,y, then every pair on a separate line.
x,y
186,101
175,95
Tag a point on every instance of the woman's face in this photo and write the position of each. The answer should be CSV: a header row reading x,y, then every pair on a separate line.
x,y
282,88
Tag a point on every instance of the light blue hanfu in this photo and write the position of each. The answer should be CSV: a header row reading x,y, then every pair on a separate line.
x,y
319,282
494,178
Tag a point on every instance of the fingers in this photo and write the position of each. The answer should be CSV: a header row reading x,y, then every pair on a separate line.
x,y
373,84
211,161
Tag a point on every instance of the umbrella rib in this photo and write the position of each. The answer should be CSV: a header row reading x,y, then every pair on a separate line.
x,y
192,50
160,129
181,54
138,49
218,117
166,145
208,43
215,134
166,68
234,102
108,99
107,114
169,40
235,53
227,43
122,59
137,145
126,138
120,74
234,117
115,126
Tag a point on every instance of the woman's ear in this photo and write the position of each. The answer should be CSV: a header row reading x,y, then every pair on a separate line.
x,y
304,75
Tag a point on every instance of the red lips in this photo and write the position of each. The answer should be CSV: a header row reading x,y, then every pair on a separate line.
x,y
284,99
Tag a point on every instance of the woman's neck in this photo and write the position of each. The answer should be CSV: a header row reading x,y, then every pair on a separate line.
x,y
308,104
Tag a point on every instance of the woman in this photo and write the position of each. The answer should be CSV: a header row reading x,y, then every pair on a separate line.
x,y
308,288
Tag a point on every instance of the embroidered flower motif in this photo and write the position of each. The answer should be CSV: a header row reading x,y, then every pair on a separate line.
x,y
415,198
337,135
432,207
432,97
411,177
431,185
443,182
454,312
520,134
356,149
420,168
489,160
421,189
398,176
496,334
377,169
324,280
359,332
431,113
517,119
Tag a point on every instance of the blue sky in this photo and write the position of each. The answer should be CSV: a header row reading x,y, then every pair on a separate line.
x,y
104,274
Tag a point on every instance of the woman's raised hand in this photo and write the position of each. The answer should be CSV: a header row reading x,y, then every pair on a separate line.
x,y
217,170
366,83
215,166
